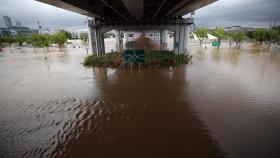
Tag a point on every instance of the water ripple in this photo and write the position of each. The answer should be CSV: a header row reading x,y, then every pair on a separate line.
x,y
43,129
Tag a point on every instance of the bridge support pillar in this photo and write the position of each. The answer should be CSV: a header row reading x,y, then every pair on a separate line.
x,y
119,41
188,30
96,40
163,39
181,38
126,40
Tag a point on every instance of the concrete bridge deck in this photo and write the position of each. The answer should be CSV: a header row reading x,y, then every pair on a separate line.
x,y
134,15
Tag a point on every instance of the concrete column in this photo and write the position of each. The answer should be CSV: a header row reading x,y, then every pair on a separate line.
x,y
163,39
177,39
102,44
119,43
126,40
97,42
181,38
91,40
157,37
163,34
188,29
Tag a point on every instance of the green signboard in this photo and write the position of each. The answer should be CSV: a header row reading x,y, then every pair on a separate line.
x,y
216,44
134,56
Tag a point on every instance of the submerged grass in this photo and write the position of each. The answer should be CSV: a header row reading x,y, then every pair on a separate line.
x,y
152,59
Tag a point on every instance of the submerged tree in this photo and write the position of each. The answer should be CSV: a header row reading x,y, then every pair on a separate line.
x,y
40,40
1,40
20,40
84,36
271,36
33,39
220,34
67,34
276,36
229,38
46,40
60,39
9,39
250,35
201,34
260,35
238,38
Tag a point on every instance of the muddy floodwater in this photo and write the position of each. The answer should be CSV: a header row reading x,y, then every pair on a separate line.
x,y
226,103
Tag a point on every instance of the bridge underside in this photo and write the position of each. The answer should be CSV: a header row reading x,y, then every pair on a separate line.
x,y
128,10
134,15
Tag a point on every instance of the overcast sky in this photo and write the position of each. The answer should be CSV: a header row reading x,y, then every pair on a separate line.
x,y
256,13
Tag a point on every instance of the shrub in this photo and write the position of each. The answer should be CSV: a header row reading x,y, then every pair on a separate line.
x,y
152,58
109,60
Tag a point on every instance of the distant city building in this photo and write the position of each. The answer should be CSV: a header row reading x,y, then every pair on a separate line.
x,y
18,24
47,31
15,30
7,21
239,29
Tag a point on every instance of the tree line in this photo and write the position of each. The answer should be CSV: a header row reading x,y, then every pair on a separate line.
x,y
38,40
260,35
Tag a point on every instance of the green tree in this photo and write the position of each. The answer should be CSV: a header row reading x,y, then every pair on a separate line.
x,y
84,36
67,34
276,36
219,33
1,40
36,40
9,39
46,40
238,38
277,28
60,39
33,39
201,34
20,40
272,36
229,38
40,40
250,35
260,35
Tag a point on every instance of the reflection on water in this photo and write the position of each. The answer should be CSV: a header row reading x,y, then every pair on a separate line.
x,y
237,96
225,103
144,115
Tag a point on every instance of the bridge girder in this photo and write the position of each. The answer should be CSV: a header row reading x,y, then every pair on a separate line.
x,y
127,10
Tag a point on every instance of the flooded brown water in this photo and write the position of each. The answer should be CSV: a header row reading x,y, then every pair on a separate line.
x,y
224,104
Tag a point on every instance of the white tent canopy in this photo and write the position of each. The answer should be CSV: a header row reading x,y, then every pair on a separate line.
x,y
209,37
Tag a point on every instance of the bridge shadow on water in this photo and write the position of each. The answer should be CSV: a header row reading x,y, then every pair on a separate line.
x,y
140,114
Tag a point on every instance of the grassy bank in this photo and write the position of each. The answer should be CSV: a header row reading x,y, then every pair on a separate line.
x,y
152,59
